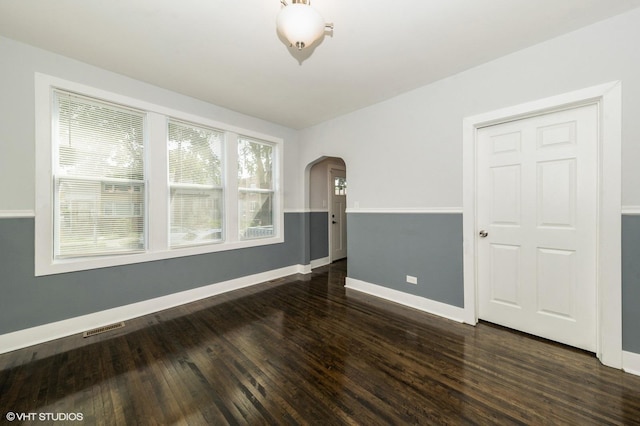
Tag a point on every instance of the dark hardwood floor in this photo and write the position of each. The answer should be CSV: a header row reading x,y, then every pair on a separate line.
x,y
303,350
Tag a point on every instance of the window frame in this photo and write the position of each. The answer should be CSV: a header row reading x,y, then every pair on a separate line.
x,y
62,178
157,246
195,187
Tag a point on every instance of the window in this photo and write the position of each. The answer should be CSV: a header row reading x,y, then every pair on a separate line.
x,y
99,177
255,189
195,180
340,186
122,181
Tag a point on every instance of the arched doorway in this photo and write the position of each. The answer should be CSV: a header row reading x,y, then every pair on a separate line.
x,y
327,211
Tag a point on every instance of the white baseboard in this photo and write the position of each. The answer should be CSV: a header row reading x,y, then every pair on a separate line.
x,y
304,269
43,333
431,306
316,263
631,363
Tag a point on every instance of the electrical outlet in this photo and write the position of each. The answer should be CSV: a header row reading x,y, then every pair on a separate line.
x,y
412,280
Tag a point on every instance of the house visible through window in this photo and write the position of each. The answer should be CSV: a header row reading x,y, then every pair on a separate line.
x,y
99,177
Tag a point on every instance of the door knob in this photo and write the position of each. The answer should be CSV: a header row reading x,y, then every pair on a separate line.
x,y
334,222
484,234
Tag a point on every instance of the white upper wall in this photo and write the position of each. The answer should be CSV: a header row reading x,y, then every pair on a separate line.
x,y
402,153
407,152
18,65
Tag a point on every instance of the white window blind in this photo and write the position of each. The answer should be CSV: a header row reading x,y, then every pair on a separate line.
x,y
195,184
99,177
255,189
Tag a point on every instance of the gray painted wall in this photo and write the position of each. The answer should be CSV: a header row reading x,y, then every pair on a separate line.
x,y
319,238
385,248
428,246
29,301
631,283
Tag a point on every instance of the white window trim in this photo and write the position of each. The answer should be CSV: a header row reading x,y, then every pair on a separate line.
x,y
157,181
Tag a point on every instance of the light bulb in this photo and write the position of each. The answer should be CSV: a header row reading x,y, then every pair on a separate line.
x,y
300,24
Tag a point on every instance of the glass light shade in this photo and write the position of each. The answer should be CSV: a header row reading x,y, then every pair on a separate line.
x,y
300,24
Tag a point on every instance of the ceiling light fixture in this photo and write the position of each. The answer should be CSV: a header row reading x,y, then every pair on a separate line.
x,y
300,24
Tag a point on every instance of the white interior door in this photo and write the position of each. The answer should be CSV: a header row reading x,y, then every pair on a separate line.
x,y
536,213
338,213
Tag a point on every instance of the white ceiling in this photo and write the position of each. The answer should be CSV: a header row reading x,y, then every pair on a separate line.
x,y
227,52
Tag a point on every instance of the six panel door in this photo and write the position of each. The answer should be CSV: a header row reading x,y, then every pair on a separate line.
x,y
537,203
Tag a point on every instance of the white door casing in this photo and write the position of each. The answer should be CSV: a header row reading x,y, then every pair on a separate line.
x,y
337,216
537,188
607,97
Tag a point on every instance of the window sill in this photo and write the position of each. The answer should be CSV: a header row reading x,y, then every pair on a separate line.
x,y
60,266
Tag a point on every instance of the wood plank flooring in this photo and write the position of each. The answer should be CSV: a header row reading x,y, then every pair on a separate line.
x,y
303,350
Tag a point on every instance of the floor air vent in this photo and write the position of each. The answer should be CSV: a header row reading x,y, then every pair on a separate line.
x,y
104,329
